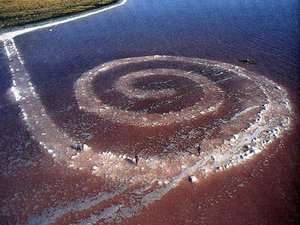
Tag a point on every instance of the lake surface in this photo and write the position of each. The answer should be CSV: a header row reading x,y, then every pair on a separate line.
x,y
263,191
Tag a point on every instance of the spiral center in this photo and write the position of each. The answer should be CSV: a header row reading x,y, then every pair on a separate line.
x,y
152,91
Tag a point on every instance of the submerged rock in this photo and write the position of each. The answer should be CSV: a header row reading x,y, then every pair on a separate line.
x,y
247,61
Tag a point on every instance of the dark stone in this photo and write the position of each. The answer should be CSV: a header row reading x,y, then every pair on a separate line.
x,y
77,146
136,159
130,161
199,149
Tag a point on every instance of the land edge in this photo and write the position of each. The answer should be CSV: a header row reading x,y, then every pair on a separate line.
x,y
20,23
12,32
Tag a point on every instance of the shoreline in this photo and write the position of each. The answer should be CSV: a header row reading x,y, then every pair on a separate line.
x,y
18,15
10,33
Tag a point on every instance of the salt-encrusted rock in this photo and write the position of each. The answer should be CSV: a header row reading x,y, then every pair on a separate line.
x,y
95,167
86,147
193,179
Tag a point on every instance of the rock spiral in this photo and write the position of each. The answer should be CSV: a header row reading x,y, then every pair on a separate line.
x,y
187,116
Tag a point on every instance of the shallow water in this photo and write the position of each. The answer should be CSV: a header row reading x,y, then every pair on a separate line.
x,y
227,31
